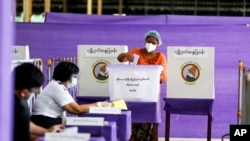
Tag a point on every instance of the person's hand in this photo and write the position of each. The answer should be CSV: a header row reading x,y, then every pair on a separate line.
x,y
103,104
129,57
56,128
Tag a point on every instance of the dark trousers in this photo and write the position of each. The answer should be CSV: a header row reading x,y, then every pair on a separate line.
x,y
45,121
144,132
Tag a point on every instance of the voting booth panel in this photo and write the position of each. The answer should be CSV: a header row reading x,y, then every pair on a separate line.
x,y
52,62
243,114
190,72
134,82
93,61
20,52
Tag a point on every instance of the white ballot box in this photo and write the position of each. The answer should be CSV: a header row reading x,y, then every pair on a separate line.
x,y
92,61
20,52
134,82
190,72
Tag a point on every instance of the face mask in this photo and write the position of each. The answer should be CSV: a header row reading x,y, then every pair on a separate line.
x,y
73,83
150,47
29,97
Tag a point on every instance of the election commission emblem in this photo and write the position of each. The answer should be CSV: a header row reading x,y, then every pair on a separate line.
x,y
100,70
190,72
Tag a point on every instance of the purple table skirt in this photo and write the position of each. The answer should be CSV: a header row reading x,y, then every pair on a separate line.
x,y
189,106
109,131
123,122
141,111
91,139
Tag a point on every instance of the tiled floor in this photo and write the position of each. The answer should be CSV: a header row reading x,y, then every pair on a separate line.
x,y
190,139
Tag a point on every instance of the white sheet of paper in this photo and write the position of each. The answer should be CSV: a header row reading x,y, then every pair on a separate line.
x,y
85,121
67,136
105,110
70,130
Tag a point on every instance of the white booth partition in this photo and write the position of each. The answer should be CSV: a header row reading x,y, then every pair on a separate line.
x,y
20,52
190,72
92,61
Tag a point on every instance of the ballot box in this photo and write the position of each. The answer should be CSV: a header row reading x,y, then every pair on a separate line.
x,y
134,82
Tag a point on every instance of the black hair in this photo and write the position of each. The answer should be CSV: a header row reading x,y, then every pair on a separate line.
x,y
27,76
64,70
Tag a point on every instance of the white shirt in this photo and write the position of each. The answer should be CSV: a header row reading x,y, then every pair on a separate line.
x,y
51,100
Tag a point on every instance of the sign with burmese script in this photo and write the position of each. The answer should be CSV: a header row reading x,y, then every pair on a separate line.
x,y
20,53
92,61
134,82
66,136
190,72
85,121
105,110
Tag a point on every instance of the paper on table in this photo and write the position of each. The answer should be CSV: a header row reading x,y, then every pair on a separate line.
x,y
70,130
120,104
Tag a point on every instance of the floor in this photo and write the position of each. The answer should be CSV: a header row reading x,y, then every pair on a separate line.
x,y
191,139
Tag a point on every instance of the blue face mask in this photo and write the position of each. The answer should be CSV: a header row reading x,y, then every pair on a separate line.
x,y
73,82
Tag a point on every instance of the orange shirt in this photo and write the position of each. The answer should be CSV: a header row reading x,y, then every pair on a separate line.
x,y
160,59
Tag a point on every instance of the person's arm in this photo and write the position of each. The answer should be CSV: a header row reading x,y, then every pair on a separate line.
x,y
164,71
124,57
75,108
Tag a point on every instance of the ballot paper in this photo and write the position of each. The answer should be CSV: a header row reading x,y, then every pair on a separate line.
x,y
136,58
120,104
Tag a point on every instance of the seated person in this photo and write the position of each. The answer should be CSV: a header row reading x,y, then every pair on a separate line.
x,y
55,98
27,79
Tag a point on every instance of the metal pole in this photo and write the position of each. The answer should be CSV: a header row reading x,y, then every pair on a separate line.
x,y
89,7
99,7
47,5
27,10
120,11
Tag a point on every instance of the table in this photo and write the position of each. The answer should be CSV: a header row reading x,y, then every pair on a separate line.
x,y
188,107
109,131
91,139
140,114
123,122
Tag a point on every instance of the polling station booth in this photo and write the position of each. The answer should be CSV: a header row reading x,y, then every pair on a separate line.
x,y
93,86
225,34
190,83
93,61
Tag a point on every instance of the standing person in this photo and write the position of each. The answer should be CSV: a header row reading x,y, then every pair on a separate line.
x,y
147,56
55,98
27,79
